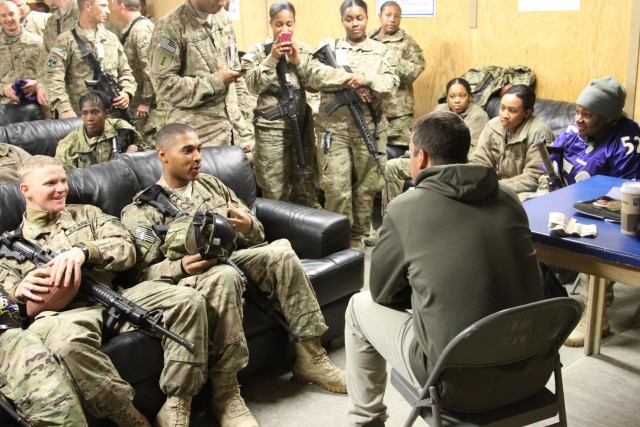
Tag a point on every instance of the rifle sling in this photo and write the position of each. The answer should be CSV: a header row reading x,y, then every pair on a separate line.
x,y
124,37
85,52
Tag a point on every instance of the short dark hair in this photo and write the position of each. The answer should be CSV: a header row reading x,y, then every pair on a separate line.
x,y
459,81
390,3
525,93
346,4
279,7
169,132
443,135
132,5
101,100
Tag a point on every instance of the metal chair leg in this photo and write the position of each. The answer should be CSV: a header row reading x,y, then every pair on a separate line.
x,y
575,285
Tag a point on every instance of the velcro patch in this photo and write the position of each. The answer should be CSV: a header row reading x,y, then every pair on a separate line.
x,y
59,52
145,234
168,45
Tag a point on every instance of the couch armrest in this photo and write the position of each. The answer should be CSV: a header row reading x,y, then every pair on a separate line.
x,y
313,233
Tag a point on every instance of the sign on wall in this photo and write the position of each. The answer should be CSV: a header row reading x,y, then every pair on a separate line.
x,y
234,10
413,8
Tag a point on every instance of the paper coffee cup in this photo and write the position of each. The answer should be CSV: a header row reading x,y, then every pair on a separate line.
x,y
630,212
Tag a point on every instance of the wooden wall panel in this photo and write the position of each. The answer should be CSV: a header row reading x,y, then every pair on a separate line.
x,y
565,49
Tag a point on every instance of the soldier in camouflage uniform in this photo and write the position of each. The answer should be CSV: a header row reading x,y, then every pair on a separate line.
x,y
275,268
507,143
31,377
66,70
277,172
19,50
349,175
84,234
246,102
10,159
63,19
136,38
191,70
94,141
31,20
399,108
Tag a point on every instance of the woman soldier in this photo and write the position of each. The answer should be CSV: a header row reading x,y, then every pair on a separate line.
x,y
399,109
99,138
280,132
349,175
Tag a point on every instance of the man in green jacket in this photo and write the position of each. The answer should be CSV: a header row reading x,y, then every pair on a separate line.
x,y
454,250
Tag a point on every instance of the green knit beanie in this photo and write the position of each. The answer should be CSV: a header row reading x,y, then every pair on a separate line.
x,y
605,97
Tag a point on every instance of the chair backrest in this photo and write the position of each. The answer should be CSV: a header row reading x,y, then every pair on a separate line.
x,y
504,357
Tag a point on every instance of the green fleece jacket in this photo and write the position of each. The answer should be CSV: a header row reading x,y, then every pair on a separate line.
x,y
455,249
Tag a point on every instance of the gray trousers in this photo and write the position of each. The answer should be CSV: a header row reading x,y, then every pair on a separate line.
x,y
374,335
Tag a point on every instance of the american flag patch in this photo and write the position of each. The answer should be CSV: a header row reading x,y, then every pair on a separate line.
x,y
145,234
168,45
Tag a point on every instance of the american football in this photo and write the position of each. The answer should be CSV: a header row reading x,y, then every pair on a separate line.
x,y
55,300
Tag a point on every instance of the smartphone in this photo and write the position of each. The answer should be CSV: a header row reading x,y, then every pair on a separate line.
x,y
285,37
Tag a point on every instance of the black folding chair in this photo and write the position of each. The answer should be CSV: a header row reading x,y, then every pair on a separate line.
x,y
527,337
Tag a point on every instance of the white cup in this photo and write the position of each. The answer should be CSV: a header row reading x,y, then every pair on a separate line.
x,y
630,212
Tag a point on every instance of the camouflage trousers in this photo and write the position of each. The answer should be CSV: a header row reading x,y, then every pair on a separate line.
x,y
75,337
36,383
350,178
279,273
397,171
399,131
277,172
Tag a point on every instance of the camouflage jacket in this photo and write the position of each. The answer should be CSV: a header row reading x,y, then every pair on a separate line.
x,y
18,59
208,193
261,75
35,22
474,117
410,65
513,156
184,58
76,151
66,70
370,58
10,158
61,21
109,243
136,47
245,102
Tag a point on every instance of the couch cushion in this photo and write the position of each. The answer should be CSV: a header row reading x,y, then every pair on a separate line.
x,y
110,186
16,113
12,206
227,163
41,136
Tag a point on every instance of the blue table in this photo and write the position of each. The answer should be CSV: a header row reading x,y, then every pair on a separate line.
x,y
611,255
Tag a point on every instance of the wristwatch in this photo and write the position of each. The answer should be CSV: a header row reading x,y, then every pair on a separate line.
x,y
84,250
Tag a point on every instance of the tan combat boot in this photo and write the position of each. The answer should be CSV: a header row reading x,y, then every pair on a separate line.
x,y
373,238
174,413
227,404
313,366
576,338
130,417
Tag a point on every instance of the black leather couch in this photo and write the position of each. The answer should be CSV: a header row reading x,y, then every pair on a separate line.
x,y
15,113
320,238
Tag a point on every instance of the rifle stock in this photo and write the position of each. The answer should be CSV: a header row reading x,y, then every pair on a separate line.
x,y
20,249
